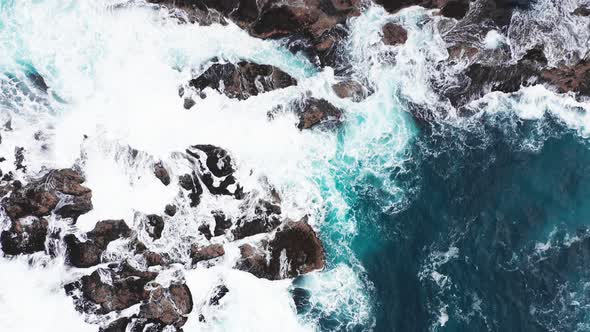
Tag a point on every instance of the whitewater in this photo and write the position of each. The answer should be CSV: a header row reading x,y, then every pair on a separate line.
x,y
112,71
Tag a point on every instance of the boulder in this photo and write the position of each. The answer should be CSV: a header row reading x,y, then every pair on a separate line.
x,y
212,251
162,173
215,169
242,80
294,250
222,223
582,11
394,34
350,89
155,226
265,218
168,306
125,288
25,236
170,210
315,112
192,184
574,78
88,253
41,196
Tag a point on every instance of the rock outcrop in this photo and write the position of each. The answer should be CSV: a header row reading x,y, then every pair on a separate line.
x,y
315,27
59,191
315,112
394,34
88,253
294,250
242,80
121,286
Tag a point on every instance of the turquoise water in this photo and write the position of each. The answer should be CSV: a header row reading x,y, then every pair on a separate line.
x,y
458,225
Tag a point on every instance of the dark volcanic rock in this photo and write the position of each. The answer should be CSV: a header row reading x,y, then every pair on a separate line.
x,y
88,253
294,250
40,197
127,288
318,112
242,80
168,306
199,254
575,78
170,210
215,167
582,11
25,236
222,223
266,218
350,89
314,26
450,8
162,173
297,245
394,34
218,293
192,184
155,226
253,261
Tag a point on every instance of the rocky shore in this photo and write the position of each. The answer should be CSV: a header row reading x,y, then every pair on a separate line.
x,y
126,289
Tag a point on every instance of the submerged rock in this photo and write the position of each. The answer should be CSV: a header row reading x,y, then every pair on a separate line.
x,y
242,80
394,34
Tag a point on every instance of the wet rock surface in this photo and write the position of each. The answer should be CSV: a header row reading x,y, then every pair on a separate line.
x,y
315,27
59,192
315,112
25,236
88,253
394,34
294,250
243,79
350,89
121,286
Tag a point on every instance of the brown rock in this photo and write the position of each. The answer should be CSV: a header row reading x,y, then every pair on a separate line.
x,y
86,254
350,89
168,306
295,250
212,251
315,112
394,34
162,173
242,80
25,237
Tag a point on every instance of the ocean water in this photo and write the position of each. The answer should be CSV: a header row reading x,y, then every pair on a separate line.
x,y
475,224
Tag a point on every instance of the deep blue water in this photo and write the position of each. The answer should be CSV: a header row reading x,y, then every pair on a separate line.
x,y
496,189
